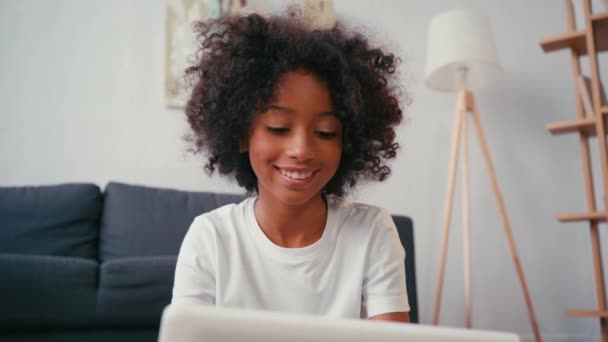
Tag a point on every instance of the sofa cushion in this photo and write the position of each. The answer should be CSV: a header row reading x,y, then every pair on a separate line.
x,y
134,291
38,291
59,220
145,221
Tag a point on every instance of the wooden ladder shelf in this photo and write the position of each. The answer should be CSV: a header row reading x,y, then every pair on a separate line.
x,y
589,42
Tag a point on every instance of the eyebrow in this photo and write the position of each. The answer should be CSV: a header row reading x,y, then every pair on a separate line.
x,y
293,111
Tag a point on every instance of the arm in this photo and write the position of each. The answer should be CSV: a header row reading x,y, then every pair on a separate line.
x,y
195,273
384,287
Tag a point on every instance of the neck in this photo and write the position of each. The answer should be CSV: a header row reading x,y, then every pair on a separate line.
x,y
291,225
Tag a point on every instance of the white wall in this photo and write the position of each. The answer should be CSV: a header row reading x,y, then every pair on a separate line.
x,y
82,100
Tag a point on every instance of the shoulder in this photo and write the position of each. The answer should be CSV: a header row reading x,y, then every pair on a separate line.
x,y
363,221
226,212
358,214
227,219
369,226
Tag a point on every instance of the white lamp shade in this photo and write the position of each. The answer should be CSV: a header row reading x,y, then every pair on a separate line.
x,y
461,39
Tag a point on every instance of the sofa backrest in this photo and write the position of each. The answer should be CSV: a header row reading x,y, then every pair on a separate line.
x,y
405,227
58,220
140,221
48,255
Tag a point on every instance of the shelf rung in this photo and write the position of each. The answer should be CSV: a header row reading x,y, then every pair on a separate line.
x,y
587,125
599,17
587,313
577,39
575,217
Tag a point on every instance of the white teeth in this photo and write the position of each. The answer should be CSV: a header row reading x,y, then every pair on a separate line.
x,y
296,175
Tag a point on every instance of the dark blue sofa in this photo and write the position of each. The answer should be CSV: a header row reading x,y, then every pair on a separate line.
x,y
79,264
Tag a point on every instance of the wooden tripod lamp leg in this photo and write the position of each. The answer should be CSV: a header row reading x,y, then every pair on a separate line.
x,y
447,213
464,163
505,219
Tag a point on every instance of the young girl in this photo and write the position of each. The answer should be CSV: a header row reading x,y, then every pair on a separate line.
x,y
298,116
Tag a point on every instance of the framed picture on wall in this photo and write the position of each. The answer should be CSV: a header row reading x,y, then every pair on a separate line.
x,y
180,39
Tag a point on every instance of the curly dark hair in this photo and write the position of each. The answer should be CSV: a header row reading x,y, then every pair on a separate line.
x,y
239,63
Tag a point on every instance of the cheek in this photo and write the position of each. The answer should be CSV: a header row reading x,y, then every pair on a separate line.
x,y
333,156
261,150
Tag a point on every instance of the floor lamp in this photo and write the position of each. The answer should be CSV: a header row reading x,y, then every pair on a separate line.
x,y
462,56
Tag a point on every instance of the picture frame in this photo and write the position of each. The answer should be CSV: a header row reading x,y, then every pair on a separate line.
x,y
180,40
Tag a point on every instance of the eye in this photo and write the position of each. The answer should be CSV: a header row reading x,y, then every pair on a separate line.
x,y
326,135
277,130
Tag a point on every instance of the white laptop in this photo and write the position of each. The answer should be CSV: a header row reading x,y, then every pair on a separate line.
x,y
211,324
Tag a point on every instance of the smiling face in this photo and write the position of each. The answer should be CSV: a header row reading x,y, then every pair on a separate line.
x,y
295,146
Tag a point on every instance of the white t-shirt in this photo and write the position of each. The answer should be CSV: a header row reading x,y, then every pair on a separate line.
x,y
355,270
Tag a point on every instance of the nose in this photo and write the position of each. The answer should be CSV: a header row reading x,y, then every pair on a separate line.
x,y
301,146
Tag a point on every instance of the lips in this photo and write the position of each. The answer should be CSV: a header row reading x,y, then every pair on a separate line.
x,y
296,177
296,174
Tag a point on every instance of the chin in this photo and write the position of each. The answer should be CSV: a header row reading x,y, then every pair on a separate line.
x,y
296,198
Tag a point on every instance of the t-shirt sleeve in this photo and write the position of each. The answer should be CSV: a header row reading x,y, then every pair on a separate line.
x,y
384,286
195,269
